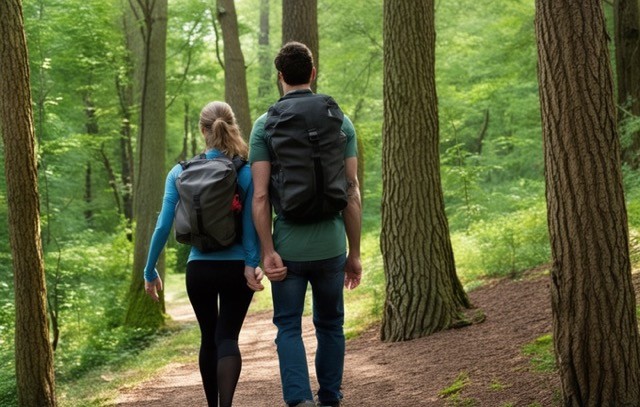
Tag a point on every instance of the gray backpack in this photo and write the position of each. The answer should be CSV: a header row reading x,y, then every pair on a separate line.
x,y
209,212
307,145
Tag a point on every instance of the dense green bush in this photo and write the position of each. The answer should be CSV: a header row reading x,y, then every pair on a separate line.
x,y
503,246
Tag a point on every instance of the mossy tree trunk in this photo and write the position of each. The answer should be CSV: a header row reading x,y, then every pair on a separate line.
x,y
235,76
33,354
150,37
593,302
423,293
300,23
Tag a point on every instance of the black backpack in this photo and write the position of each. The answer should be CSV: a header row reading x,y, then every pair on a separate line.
x,y
209,212
307,146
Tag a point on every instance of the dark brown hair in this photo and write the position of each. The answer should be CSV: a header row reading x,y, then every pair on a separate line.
x,y
295,62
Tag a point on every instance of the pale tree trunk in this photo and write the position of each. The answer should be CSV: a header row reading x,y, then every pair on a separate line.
x,y
265,60
627,39
300,23
33,354
423,292
594,322
150,149
235,78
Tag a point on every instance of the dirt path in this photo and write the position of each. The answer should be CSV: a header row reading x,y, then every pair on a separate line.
x,y
400,374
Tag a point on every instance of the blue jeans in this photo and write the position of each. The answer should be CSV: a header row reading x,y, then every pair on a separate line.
x,y
327,282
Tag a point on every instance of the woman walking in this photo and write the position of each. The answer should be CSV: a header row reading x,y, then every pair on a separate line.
x,y
220,284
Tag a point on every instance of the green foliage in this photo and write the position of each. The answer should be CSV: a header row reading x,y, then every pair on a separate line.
x,y
541,353
503,246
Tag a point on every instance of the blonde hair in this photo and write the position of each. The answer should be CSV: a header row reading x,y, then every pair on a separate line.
x,y
221,131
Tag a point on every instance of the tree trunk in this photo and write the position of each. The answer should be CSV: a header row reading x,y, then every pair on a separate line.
x,y
33,354
593,302
300,23
124,88
423,292
627,39
92,129
150,149
111,176
266,83
235,78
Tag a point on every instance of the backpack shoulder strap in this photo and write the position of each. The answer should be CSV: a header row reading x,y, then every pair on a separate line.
x,y
238,163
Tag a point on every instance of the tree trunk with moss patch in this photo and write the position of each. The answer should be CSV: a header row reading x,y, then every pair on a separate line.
x,y
593,302
423,292
150,35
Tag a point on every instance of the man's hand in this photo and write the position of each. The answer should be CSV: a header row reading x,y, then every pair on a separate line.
x,y
254,277
152,288
352,272
274,269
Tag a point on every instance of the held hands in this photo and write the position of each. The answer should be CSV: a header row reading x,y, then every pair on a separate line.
x,y
352,272
274,269
152,288
254,277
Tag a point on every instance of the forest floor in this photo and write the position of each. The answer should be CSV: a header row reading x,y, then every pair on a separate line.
x,y
486,359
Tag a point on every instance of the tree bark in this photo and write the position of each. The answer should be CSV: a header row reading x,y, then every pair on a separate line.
x,y
593,302
33,353
423,292
149,186
235,77
266,82
300,23
627,40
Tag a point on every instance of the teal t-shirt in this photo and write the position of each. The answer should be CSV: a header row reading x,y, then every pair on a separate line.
x,y
309,241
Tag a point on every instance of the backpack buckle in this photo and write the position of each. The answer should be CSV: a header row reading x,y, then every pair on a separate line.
x,y
313,135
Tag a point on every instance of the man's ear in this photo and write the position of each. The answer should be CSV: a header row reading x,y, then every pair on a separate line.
x,y
313,74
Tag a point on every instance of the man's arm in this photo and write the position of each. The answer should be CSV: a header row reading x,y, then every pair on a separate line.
x,y
352,216
273,267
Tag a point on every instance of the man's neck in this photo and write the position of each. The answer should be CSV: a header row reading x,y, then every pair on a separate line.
x,y
289,88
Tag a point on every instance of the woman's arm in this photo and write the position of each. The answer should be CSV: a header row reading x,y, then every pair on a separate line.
x,y
164,223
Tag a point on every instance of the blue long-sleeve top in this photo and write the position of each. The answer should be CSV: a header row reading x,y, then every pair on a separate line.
x,y
248,250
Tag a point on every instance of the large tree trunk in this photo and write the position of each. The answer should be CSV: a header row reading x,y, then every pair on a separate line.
x,y
300,23
424,294
33,354
235,78
627,39
593,302
150,149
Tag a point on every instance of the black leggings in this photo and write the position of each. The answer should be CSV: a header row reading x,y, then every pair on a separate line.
x,y
220,363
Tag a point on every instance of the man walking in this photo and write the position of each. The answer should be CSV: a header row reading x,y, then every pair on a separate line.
x,y
304,161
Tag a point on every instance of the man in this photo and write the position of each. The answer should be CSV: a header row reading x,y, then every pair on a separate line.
x,y
307,252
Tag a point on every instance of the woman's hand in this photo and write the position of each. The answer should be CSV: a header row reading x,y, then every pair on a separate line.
x,y
153,287
254,277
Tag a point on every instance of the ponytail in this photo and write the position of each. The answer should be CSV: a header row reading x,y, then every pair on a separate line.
x,y
221,131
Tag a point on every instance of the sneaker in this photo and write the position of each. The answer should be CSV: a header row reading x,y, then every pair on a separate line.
x,y
306,403
333,404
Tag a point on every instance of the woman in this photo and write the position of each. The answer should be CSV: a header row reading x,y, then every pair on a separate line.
x,y
230,275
